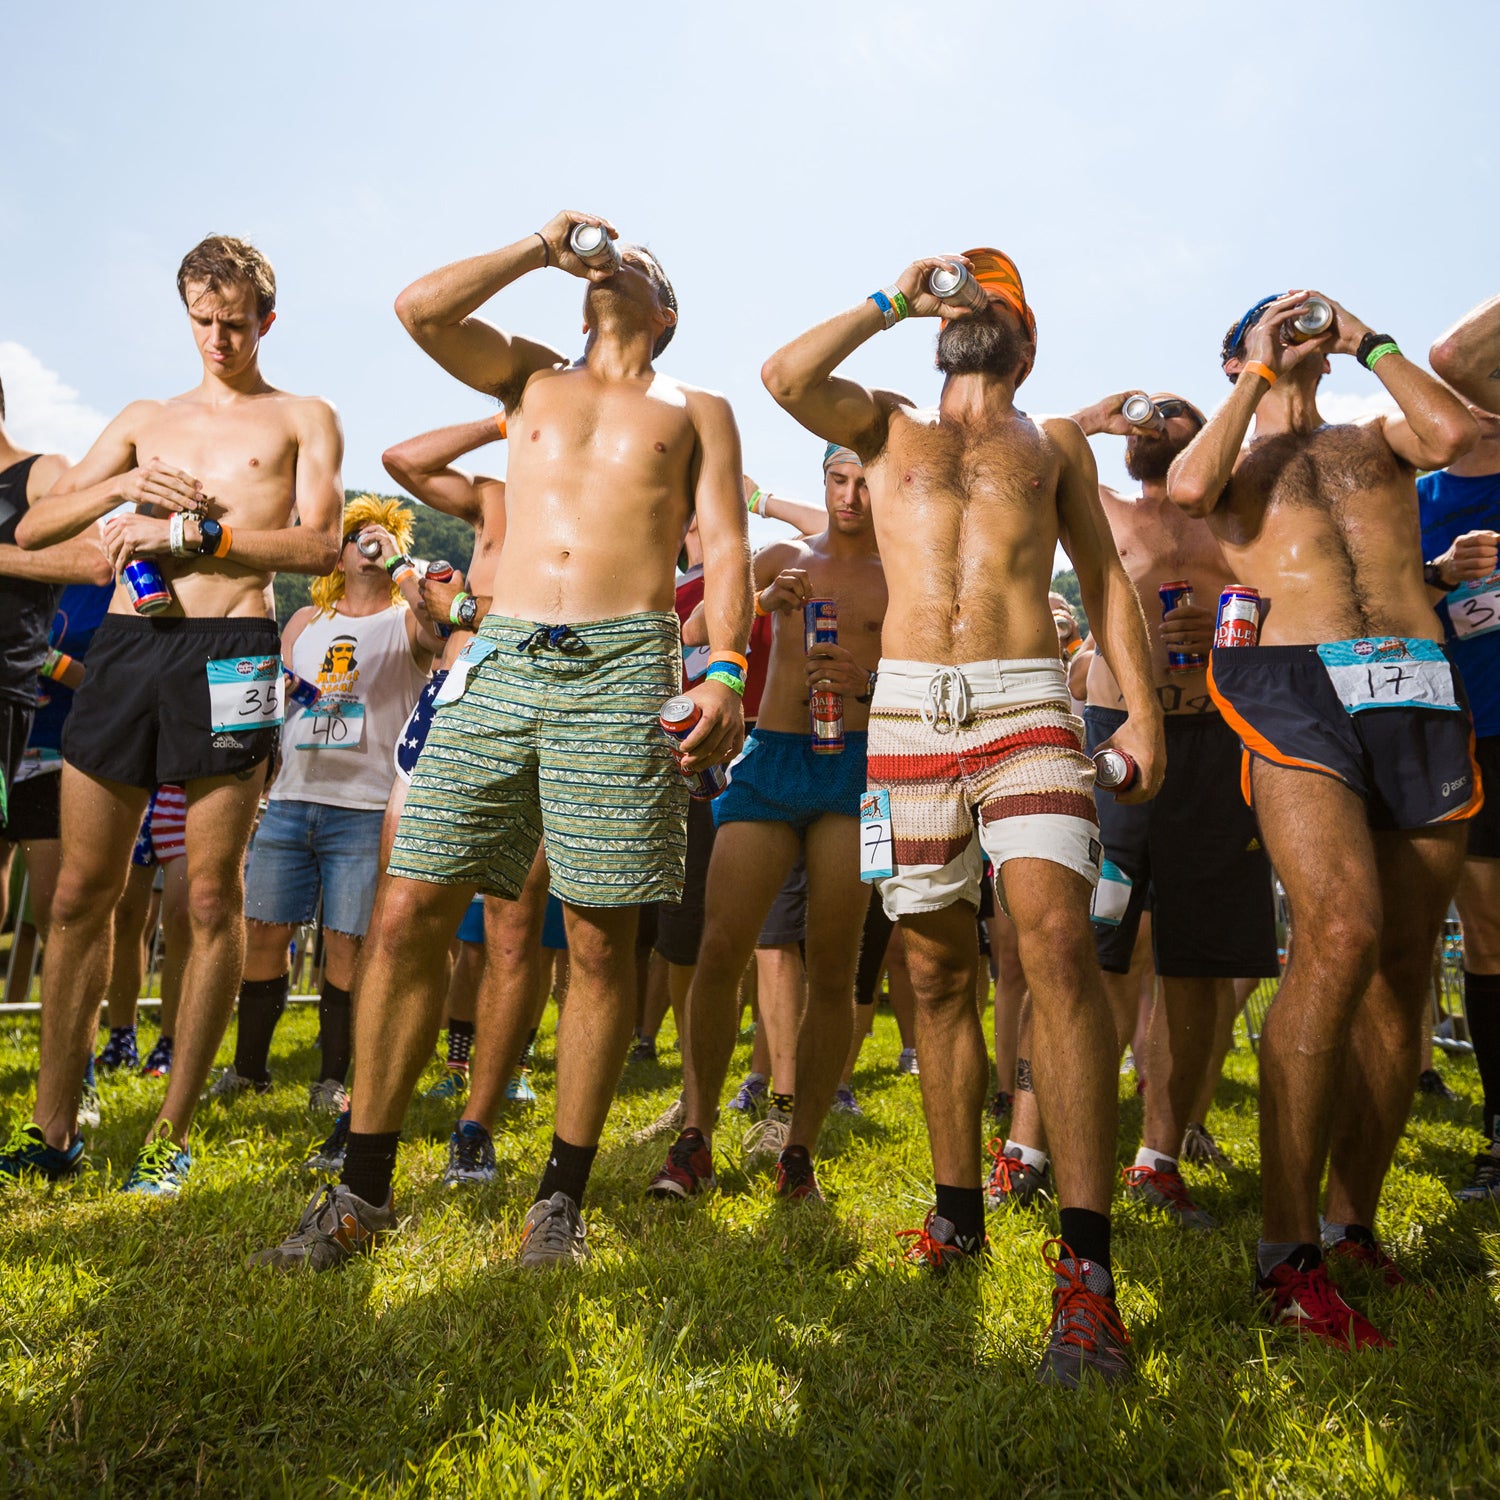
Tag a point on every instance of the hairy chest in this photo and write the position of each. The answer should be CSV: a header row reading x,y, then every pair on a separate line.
x,y
1342,474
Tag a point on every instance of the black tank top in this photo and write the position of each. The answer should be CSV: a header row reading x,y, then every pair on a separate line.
x,y
26,607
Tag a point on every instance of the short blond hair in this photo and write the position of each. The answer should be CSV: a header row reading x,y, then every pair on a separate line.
x,y
362,511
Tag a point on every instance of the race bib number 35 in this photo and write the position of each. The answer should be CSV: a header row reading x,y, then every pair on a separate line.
x,y
244,692
1389,672
877,849
1474,608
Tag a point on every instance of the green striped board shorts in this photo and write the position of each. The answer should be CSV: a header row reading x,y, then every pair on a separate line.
x,y
556,737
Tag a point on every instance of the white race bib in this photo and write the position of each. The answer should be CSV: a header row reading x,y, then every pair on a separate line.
x,y
244,692
333,726
877,847
1111,895
1474,608
457,681
1389,672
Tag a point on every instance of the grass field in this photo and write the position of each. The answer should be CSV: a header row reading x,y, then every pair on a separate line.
x,y
725,1347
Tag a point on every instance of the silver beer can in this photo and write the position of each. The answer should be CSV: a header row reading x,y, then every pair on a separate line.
x,y
955,284
1315,318
592,245
1138,410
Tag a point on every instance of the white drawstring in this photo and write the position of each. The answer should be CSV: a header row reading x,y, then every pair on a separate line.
x,y
947,700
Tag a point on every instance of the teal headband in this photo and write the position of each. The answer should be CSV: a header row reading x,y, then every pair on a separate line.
x,y
834,454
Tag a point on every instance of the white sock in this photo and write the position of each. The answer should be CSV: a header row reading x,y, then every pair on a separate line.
x,y
1158,1161
1032,1157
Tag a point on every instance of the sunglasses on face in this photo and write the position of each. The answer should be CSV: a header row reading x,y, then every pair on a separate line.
x,y
1172,407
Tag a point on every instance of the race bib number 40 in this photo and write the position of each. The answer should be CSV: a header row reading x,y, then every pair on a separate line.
x,y
338,726
877,849
1389,672
244,692
1474,608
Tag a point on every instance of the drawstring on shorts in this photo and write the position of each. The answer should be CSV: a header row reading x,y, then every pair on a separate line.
x,y
946,705
558,637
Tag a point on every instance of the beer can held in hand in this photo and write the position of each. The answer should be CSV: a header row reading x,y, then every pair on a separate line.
x,y
955,284
440,570
1315,318
299,690
1115,771
147,586
820,627
1180,591
592,245
369,546
679,717
1138,410
820,623
1238,622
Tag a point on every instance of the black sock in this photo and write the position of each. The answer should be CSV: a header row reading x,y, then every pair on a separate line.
x,y
784,1102
568,1169
963,1208
261,1004
460,1042
1482,1008
1086,1234
526,1051
369,1165
333,1032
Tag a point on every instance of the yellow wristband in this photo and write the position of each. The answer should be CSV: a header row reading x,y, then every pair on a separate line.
x,y
1256,367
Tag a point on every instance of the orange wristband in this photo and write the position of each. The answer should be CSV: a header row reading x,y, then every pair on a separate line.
x,y
1255,367
500,423
760,610
742,662
226,540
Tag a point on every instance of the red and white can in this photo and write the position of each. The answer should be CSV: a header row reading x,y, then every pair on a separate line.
x,y
679,716
1239,617
1115,771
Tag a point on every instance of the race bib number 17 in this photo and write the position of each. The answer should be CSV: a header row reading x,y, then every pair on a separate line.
x,y
1389,672
244,692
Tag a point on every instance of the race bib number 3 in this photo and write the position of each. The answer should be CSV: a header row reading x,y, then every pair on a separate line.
x,y
877,849
1474,608
1389,672
339,726
244,692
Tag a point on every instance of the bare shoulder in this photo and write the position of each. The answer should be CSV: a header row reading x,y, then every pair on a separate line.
x,y
1066,436
791,552
310,414
45,472
703,405
302,618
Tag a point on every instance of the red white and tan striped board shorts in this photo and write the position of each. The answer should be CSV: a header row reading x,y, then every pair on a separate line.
x,y
985,756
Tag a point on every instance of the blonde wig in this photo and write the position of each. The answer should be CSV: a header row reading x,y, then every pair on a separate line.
x,y
362,511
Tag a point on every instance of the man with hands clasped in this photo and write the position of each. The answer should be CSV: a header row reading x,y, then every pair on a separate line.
x,y
973,745
1356,754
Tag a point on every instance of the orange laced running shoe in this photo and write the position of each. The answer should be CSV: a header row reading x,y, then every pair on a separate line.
x,y
1012,1183
938,1246
1162,1187
1310,1302
1086,1334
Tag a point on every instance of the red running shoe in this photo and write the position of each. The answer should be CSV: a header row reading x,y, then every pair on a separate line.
x,y
795,1179
1086,1335
1162,1187
1367,1256
1310,1302
939,1247
689,1168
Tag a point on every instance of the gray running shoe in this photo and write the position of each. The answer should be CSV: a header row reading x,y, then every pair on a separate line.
x,y
1162,1187
668,1122
329,1097
329,1157
88,1106
1484,1185
907,1063
1198,1145
844,1102
335,1227
471,1156
1086,1335
553,1234
230,1085
765,1140
1013,1183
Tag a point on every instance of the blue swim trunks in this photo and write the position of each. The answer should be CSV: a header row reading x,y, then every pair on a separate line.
x,y
778,779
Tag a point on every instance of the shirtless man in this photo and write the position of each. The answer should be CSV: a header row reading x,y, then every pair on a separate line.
x,y
973,741
785,799
555,731
1357,757
1193,850
221,469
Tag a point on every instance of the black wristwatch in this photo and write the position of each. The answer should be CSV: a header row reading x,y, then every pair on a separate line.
x,y
869,691
1432,576
210,534
468,613
1369,344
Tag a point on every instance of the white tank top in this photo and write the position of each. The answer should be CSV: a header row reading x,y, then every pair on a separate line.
x,y
340,751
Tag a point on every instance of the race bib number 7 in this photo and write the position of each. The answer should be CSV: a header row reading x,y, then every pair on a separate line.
x,y
877,847
244,692
1389,672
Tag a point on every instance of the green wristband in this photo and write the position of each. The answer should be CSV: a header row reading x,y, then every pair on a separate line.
x,y
453,609
394,560
1379,352
754,502
899,302
736,684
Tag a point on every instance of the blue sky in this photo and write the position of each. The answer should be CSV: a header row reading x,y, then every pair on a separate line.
x,y
1152,171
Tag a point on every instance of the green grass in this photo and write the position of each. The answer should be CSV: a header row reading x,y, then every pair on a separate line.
x,y
725,1347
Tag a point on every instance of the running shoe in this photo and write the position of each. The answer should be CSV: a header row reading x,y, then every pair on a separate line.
x,y
231,1084
454,1084
1162,1187
553,1234
907,1062
158,1063
1013,1183
329,1097
519,1089
1198,1145
119,1051
1309,1302
795,1179
766,1139
329,1157
1365,1255
334,1227
644,1050
88,1106
939,1248
844,1102
1430,1082
688,1170
1000,1104
27,1154
1484,1185
1086,1335
471,1156
750,1097
162,1167
668,1122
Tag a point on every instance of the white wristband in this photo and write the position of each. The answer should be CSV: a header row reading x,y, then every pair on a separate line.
x,y
174,534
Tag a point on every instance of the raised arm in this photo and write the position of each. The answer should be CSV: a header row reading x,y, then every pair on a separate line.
x,y
1468,355
424,466
438,310
1111,603
800,376
809,520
